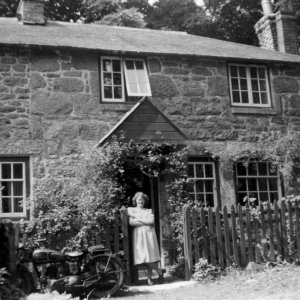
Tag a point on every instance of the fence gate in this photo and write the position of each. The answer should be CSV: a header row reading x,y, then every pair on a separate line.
x,y
241,234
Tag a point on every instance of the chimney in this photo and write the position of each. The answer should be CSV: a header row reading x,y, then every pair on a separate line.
x,y
32,12
278,30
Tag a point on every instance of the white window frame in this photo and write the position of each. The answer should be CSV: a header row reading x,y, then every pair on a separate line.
x,y
125,75
249,85
194,179
23,180
257,177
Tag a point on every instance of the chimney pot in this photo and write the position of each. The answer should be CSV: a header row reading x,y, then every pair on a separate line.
x,y
267,7
32,12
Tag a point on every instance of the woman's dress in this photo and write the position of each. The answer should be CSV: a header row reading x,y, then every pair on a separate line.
x,y
145,246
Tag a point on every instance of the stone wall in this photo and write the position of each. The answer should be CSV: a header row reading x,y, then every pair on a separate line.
x,y
50,105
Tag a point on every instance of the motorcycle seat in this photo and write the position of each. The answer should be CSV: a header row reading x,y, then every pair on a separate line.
x,y
74,254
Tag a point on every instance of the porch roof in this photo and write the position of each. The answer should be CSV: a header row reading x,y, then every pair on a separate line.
x,y
145,122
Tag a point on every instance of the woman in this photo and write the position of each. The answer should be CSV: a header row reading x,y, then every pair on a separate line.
x,y
145,246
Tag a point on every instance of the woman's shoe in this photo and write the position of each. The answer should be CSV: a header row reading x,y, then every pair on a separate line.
x,y
161,277
150,282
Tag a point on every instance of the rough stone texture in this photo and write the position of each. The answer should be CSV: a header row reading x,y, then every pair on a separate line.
x,y
44,62
162,86
49,104
85,60
68,85
37,81
292,105
94,83
176,71
154,65
285,85
217,86
15,81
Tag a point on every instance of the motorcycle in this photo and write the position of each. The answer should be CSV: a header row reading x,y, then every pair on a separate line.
x,y
93,273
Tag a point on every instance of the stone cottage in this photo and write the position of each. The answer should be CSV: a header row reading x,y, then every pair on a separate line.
x,y
65,88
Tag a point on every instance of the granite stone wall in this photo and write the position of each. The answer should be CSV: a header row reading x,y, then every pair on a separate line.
x,y
50,106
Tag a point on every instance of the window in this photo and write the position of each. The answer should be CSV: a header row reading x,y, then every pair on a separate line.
x,y
202,183
257,182
14,186
249,85
117,73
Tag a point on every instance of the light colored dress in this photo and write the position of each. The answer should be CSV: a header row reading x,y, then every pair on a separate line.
x,y
145,246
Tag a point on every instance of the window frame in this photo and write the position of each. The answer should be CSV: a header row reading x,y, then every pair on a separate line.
x,y
258,190
26,185
204,161
126,94
249,86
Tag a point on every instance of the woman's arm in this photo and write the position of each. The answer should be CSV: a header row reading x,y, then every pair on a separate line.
x,y
147,219
135,222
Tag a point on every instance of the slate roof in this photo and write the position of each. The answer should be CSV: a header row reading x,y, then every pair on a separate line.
x,y
124,40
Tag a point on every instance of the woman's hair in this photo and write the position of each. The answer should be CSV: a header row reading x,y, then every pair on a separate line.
x,y
140,194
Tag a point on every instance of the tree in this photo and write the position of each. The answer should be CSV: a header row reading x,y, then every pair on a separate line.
x,y
8,8
142,6
126,17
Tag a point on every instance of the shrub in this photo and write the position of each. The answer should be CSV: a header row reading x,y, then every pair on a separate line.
x,y
205,271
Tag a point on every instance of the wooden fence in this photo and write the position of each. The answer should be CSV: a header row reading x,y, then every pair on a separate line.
x,y
115,237
241,234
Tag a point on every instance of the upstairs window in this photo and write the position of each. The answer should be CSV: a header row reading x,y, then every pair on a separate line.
x,y
249,85
14,186
123,77
202,183
257,182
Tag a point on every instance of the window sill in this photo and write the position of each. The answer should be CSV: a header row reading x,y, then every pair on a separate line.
x,y
255,110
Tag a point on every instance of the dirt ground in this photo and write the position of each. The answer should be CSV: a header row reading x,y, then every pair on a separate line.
x,y
279,283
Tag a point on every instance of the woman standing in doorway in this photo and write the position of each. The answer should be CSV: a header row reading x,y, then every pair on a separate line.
x,y
145,246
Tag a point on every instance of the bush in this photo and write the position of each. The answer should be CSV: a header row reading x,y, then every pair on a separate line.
x,y
205,271
8,289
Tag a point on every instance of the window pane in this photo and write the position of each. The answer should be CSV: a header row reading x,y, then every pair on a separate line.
x,y
199,186
273,197
192,197
118,92
209,171
18,188
210,200
6,191
262,84
107,79
244,84
199,171
190,187
242,186
241,170
264,98
233,71
6,205
116,65
253,72
18,205
242,72
254,85
117,79
6,171
261,73
129,64
273,184
264,197
107,65
263,184
208,186
236,97
252,184
245,97
108,92
252,169
253,199
143,88
262,169
241,197
235,84
18,171
139,65
133,88
200,199
256,99
272,169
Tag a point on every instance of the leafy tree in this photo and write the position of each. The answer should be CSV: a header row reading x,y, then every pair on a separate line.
x,y
142,6
126,17
8,8
95,10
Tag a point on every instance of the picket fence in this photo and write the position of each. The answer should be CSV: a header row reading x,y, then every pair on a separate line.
x,y
241,235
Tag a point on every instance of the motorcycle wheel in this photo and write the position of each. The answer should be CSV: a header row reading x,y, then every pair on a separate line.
x,y
112,277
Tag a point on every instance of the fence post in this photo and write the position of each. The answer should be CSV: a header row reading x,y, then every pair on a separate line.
x,y
188,260
126,246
